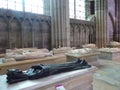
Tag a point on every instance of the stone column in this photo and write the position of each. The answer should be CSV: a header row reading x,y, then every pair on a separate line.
x,y
116,34
60,23
101,13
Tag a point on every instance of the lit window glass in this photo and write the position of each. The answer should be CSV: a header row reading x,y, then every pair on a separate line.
x,y
19,6
3,3
11,4
35,6
28,5
77,9
71,8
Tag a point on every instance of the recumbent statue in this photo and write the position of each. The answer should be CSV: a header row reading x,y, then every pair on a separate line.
x,y
40,70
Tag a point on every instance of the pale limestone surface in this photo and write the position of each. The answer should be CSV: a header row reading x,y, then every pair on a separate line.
x,y
114,44
108,76
88,54
110,54
90,45
61,50
27,53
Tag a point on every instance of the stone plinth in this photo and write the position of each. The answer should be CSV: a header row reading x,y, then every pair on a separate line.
x,y
90,55
113,44
110,54
73,80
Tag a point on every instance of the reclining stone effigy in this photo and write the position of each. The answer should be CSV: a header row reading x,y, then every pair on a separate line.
x,y
40,70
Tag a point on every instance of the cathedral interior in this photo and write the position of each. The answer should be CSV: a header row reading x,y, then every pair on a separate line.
x,y
59,32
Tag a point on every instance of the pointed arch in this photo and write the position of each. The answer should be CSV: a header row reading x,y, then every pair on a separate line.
x,y
15,34
27,33
3,34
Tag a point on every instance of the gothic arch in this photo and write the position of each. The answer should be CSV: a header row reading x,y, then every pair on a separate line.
x,y
15,34
37,34
27,33
3,34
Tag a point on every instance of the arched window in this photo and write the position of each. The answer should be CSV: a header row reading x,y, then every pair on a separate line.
x,y
77,9
35,6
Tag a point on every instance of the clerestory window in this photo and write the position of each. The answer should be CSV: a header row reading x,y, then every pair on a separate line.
x,y
77,9
35,6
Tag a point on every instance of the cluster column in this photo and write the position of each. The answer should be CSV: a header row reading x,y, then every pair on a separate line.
x,y
101,13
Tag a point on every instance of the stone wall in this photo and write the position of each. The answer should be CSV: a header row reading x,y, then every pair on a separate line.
x,y
21,30
81,32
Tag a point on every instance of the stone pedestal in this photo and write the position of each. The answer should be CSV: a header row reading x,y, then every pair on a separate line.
x,y
90,56
73,80
110,54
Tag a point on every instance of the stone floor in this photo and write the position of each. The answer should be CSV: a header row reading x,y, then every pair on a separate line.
x,y
107,77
